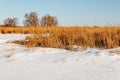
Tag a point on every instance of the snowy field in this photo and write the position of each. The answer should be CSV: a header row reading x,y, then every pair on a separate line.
x,y
20,63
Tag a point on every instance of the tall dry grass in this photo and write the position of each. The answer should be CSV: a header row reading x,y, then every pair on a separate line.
x,y
62,37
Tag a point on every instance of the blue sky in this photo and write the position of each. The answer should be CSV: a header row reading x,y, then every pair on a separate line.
x,y
68,12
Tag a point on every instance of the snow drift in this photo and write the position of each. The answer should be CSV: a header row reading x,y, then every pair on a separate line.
x,y
20,63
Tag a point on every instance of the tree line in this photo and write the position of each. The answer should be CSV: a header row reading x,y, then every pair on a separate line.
x,y
32,19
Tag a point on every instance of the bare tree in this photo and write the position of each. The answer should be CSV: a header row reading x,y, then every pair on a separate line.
x,y
49,21
31,19
10,22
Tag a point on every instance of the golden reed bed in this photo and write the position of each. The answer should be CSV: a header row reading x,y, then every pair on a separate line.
x,y
100,37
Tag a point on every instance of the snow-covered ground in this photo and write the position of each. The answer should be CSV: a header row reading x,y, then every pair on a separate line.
x,y
20,63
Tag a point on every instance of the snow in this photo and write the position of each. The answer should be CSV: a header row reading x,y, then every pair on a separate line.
x,y
20,63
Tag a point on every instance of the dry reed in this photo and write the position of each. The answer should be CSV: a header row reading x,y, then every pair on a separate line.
x,y
62,37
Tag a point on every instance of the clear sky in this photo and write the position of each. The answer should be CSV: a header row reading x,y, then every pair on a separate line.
x,y
68,12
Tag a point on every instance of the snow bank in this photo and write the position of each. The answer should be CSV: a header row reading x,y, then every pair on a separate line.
x,y
20,63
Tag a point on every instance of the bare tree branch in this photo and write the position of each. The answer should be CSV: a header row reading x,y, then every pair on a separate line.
x,y
31,19
49,21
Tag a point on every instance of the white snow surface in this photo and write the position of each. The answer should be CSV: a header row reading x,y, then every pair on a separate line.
x,y
20,63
